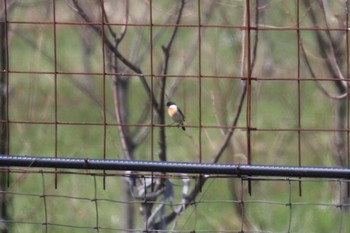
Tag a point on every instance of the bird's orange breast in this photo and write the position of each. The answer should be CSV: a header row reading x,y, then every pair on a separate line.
x,y
172,110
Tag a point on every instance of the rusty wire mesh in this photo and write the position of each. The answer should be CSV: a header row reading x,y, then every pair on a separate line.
x,y
260,82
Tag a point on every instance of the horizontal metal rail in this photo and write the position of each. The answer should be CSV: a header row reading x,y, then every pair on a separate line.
x,y
174,167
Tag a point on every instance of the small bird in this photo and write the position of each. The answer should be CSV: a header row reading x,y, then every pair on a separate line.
x,y
176,114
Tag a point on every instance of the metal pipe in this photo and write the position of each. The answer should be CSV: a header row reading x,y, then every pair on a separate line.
x,y
174,167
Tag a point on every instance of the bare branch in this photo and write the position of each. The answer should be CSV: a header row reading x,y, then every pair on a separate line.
x,y
166,51
142,133
200,182
229,133
331,54
313,75
326,50
331,50
76,7
125,28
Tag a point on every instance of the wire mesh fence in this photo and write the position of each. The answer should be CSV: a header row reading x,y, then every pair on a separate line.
x,y
258,82
37,207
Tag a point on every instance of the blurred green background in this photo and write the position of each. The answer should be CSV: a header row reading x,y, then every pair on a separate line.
x,y
49,81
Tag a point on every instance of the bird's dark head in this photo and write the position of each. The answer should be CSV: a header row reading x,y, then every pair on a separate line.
x,y
170,103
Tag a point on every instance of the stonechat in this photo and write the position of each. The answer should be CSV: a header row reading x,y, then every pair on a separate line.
x,y
176,114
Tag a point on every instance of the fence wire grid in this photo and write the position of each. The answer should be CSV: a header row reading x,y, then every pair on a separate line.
x,y
260,83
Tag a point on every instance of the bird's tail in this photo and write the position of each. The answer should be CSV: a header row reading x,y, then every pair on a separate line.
x,y
183,126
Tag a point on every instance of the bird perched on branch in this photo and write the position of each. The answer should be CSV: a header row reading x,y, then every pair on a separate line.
x,y
176,114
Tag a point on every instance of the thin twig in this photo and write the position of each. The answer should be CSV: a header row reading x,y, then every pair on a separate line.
x,y
125,28
331,52
199,184
76,7
324,49
106,19
166,51
230,132
313,75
